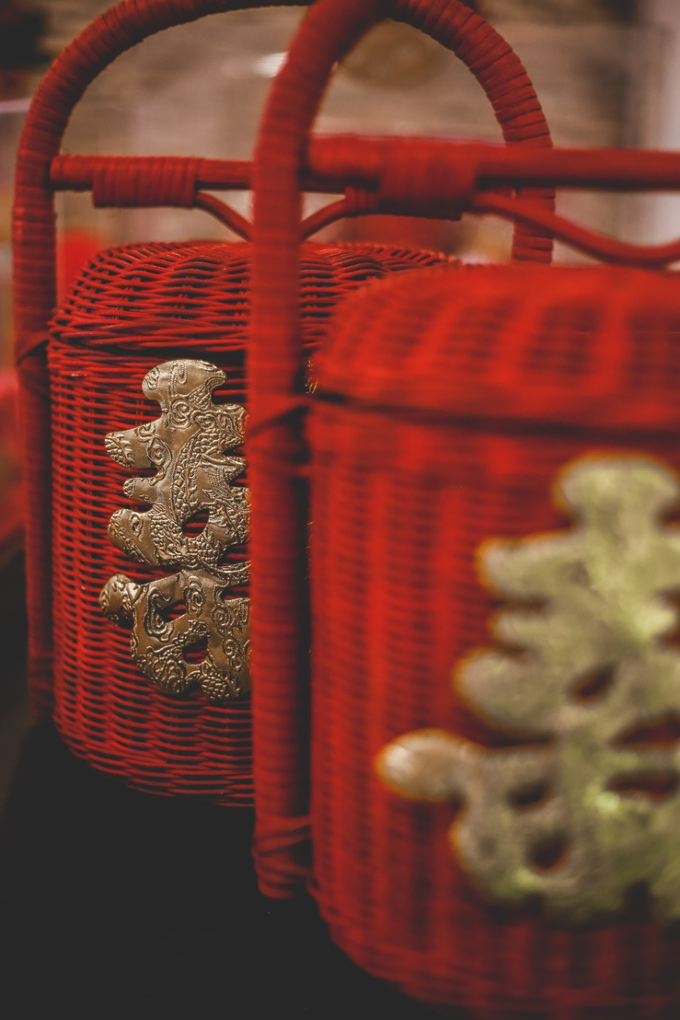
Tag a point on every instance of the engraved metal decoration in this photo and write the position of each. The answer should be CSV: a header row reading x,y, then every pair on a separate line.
x,y
587,804
186,632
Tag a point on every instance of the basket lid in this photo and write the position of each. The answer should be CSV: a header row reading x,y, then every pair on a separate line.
x,y
148,295
568,345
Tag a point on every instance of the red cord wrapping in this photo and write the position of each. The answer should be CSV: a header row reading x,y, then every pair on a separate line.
x,y
166,182
457,397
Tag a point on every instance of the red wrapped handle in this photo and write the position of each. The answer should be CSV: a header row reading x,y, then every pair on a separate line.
x,y
276,449
111,34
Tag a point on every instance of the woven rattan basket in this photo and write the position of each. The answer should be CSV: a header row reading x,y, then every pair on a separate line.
x,y
82,368
510,394
495,561
131,309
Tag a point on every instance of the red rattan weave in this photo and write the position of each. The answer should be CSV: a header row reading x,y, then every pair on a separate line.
x,y
132,308
457,398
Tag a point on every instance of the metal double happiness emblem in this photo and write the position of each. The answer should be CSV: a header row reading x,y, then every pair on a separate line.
x,y
585,804
187,631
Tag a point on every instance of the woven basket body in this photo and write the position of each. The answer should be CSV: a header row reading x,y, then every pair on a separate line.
x,y
476,389
131,309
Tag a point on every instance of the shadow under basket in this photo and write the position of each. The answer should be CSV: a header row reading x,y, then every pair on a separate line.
x,y
132,308
537,406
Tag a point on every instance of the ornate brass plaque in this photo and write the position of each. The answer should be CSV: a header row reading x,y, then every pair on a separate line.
x,y
587,804
186,631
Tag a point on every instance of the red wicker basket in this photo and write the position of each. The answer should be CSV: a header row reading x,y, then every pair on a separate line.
x,y
494,779
513,383
131,309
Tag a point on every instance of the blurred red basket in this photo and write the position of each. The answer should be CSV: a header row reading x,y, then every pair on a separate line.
x,y
131,309
429,648
494,458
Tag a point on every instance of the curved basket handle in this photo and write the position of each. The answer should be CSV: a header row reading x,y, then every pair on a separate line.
x,y
279,583
107,37
500,73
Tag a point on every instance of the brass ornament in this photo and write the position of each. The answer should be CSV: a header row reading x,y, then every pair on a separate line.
x,y
186,631
588,804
